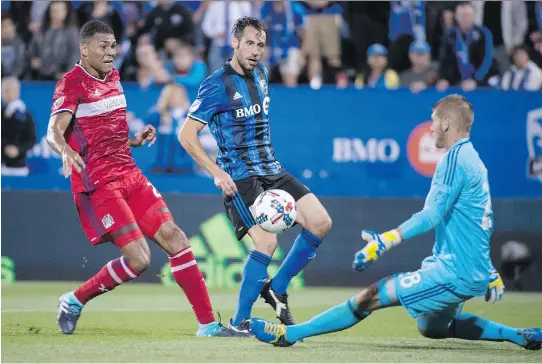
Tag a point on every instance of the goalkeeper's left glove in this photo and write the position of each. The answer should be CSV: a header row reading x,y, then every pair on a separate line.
x,y
377,244
495,288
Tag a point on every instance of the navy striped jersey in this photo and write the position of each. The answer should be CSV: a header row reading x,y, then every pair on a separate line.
x,y
236,108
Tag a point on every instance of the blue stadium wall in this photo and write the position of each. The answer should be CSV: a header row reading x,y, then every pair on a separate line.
x,y
366,153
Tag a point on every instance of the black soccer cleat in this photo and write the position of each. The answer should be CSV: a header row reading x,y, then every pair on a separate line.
x,y
279,302
243,328
69,311
216,329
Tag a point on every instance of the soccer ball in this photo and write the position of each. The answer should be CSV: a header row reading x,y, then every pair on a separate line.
x,y
275,211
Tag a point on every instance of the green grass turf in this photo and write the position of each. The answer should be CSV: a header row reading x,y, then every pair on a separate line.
x,y
150,323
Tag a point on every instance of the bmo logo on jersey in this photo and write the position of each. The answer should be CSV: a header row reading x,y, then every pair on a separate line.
x,y
253,109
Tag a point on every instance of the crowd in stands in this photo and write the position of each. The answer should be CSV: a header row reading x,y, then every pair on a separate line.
x,y
376,44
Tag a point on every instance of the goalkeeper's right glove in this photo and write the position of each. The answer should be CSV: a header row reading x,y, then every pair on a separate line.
x,y
377,244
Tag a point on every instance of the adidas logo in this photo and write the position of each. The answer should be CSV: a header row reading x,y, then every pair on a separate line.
x,y
237,96
221,257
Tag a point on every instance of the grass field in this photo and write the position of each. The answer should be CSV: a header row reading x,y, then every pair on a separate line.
x,y
150,323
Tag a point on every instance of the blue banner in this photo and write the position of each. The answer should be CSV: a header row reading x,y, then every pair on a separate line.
x,y
340,142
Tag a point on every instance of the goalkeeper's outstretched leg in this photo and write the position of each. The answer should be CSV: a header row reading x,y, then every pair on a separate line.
x,y
337,318
437,310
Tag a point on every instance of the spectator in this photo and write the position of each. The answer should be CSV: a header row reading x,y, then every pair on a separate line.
x,y
440,18
377,75
185,69
37,13
323,39
467,53
524,74
54,49
18,129
407,24
507,22
198,9
27,16
13,50
101,10
534,38
151,68
169,20
168,117
422,73
284,23
368,21
219,18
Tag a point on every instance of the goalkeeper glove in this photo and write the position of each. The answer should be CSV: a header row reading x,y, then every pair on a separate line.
x,y
377,244
495,288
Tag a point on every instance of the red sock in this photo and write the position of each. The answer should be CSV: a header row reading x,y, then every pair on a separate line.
x,y
186,273
111,275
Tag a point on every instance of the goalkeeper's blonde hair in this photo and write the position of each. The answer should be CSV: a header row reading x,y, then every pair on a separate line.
x,y
456,109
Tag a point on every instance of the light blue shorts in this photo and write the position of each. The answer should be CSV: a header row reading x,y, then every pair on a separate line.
x,y
429,291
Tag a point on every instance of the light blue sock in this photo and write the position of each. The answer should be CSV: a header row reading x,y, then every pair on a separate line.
x,y
472,327
254,277
303,250
337,318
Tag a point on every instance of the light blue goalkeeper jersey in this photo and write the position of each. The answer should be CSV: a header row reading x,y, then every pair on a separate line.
x,y
458,206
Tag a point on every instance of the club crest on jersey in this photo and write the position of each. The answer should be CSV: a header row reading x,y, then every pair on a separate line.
x,y
108,221
58,102
195,105
263,86
119,87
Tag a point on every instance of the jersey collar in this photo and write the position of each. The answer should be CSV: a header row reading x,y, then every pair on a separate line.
x,y
459,142
230,70
96,78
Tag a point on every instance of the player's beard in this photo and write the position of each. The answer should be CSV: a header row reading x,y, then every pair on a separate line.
x,y
440,136
244,65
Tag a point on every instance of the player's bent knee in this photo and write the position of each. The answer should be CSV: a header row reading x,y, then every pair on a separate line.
x,y
139,262
264,241
171,238
322,225
138,255
368,297
432,334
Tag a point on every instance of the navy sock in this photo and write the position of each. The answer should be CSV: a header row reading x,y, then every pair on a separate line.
x,y
337,318
303,250
254,277
472,327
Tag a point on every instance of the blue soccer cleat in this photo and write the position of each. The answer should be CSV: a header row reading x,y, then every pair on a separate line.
x,y
69,310
532,337
269,332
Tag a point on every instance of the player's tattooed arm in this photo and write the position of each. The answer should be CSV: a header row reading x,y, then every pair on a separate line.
x,y
188,137
58,123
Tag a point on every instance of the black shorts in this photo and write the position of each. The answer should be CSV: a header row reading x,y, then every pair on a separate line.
x,y
249,188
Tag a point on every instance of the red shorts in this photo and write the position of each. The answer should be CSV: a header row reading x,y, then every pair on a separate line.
x,y
122,210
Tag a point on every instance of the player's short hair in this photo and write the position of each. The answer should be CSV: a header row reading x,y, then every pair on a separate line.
x,y
244,22
457,108
92,27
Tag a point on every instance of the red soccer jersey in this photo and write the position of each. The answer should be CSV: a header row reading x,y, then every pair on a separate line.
x,y
98,130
